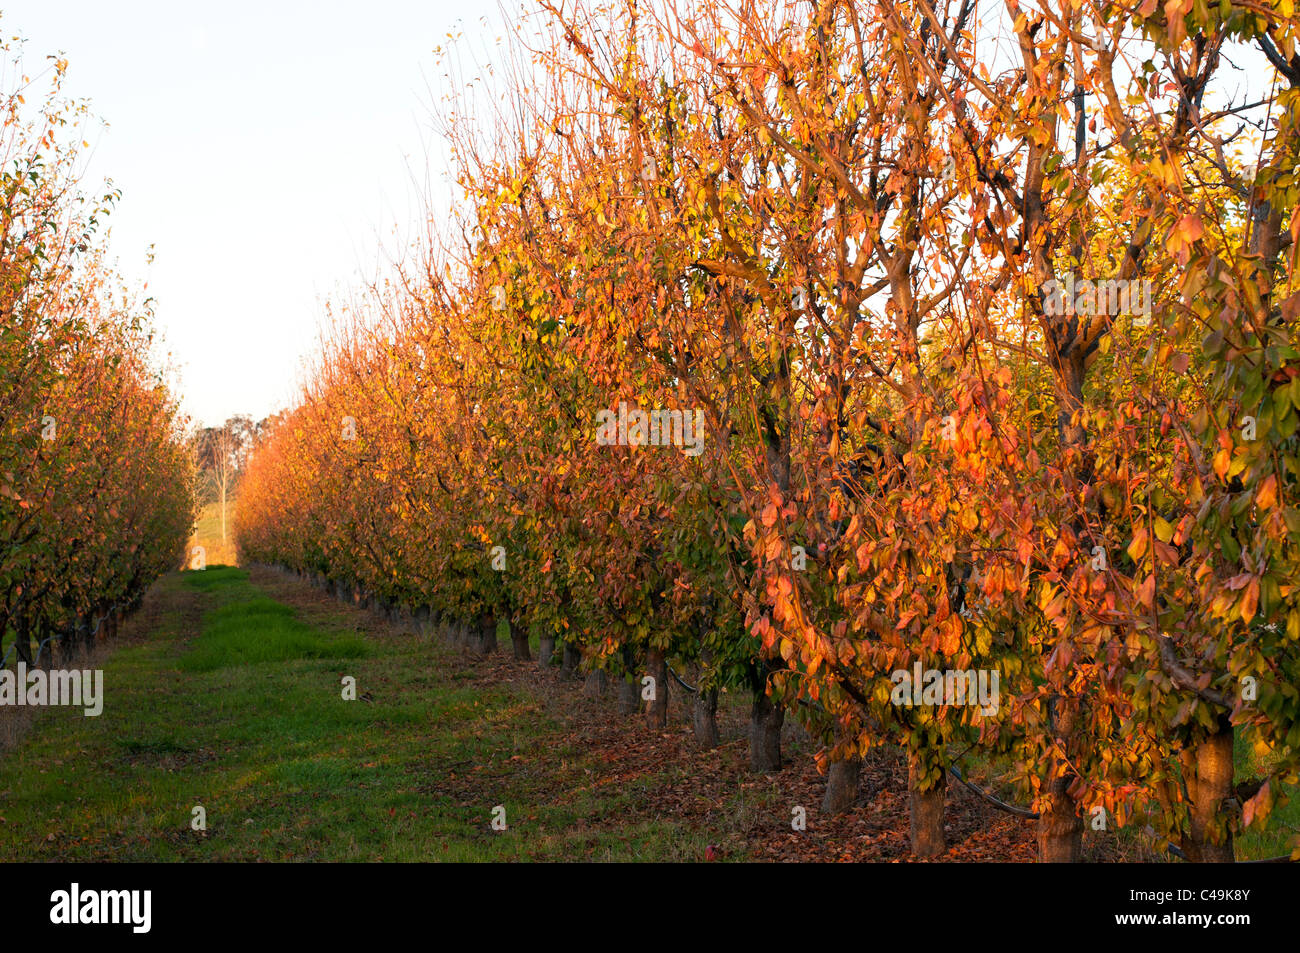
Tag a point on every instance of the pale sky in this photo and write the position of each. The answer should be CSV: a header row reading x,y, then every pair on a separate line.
x,y
266,149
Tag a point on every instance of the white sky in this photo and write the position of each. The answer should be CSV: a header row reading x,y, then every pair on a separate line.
x,y
266,149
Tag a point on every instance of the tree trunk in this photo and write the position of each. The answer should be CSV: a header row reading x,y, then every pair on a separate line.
x,y
841,785
765,721
629,695
704,718
487,635
629,686
596,684
926,810
1060,828
545,649
569,663
44,649
519,639
23,639
657,705
1210,785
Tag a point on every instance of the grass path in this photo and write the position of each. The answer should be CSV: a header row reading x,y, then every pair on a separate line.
x,y
225,693
234,703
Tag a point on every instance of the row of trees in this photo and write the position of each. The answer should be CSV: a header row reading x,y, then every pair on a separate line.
x,y
987,317
96,476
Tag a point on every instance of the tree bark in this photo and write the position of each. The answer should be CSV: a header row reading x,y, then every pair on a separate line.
x,y
704,718
67,645
629,695
765,721
545,649
1210,786
596,684
519,640
629,686
44,649
1060,828
926,811
657,706
570,661
487,629
23,639
841,785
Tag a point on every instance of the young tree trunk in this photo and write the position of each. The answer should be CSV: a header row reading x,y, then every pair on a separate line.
x,y
519,640
629,685
926,810
765,721
596,684
704,718
570,661
657,705
1210,785
487,635
545,650
841,785
44,649
23,638
629,695
1060,828
67,645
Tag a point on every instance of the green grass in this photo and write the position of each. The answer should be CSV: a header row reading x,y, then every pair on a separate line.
x,y
256,630
234,704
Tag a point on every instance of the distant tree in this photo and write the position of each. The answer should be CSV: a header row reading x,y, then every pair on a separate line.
x,y
222,452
